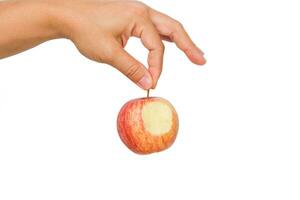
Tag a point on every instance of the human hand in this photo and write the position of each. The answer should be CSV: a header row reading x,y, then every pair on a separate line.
x,y
100,30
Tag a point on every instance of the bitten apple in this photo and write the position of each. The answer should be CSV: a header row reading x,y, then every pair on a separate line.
x,y
148,125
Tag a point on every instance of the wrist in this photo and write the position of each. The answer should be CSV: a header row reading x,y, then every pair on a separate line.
x,y
55,20
36,15
49,17
44,16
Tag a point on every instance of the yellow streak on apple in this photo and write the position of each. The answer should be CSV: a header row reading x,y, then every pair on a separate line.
x,y
157,118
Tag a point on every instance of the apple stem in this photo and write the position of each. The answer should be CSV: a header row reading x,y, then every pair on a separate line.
x,y
148,93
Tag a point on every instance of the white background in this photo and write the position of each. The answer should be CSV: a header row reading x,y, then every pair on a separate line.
x,y
239,115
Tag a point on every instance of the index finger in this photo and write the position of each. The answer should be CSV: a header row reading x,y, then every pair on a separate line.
x,y
172,29
150,38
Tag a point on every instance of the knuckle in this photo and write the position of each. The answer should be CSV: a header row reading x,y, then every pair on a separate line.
x,y
99,59
140,9
162,47
178,25
107,56
133,70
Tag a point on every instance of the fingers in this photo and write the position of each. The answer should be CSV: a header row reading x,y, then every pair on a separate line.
x,y
173,30
152,41
130,67
165,38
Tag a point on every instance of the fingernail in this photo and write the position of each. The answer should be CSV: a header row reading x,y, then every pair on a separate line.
x,y
145,82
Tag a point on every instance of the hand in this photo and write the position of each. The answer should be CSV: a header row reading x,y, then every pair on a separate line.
x,y
101,29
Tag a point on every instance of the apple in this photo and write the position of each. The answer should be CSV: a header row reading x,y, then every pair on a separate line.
x,y
148,125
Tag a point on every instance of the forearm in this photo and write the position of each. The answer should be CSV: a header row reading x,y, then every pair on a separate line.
x,y
23,25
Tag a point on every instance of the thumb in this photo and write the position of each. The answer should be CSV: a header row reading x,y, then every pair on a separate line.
x,y
131,68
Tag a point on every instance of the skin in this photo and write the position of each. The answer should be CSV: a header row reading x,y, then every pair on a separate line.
x,y
99,29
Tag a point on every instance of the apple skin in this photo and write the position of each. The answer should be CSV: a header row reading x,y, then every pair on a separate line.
x,y
135,124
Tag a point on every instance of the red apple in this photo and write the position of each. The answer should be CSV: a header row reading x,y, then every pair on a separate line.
x,y
148,125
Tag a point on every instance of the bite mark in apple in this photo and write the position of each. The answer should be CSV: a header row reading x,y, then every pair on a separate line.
x,y
157,118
